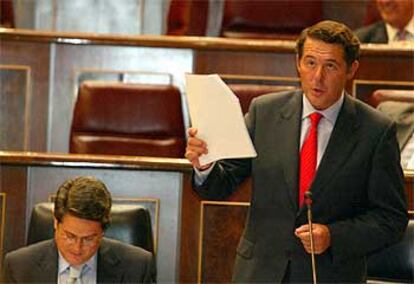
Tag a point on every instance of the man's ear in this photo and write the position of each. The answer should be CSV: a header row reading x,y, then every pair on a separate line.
x,y
55,223
297,62
352,70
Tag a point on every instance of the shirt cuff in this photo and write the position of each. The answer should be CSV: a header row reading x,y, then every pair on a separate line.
x,y
201,176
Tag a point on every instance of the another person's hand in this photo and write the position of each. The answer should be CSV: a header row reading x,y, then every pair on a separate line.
x,y
321,237
195,148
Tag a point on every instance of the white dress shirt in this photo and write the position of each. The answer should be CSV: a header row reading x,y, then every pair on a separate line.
x,y
392,32
88,274
325,128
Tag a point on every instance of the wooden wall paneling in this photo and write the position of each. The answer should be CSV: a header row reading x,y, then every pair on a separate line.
x,y
14,107
261,80
192,257
190,232
245,63
222,224
409,191
397,66
34,56
2,224
105,57
13,188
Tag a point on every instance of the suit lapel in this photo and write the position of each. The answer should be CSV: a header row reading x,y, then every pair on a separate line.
x,y
380,35
288,125
340,146
48,263
108,265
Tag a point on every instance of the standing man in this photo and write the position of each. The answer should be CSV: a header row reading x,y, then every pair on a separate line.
x,y
347,148
79,253
397,23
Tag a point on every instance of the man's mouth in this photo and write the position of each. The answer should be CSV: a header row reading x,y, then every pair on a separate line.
x,y
317,91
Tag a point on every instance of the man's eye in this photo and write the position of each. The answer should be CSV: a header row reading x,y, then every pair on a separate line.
x,y
331,66
310,63
70,236
89,239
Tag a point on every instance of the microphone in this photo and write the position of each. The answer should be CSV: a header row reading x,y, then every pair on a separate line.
x,y
308,202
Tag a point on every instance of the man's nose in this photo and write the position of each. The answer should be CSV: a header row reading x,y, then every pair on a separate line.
x,y
77,246
319,74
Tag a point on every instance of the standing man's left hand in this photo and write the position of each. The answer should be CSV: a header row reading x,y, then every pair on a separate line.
x,y
321,237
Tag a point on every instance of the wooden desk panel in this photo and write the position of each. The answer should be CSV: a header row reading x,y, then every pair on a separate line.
x,y
34,59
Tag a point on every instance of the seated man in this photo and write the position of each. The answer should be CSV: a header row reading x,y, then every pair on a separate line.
x,y
403,115
397,23
79,253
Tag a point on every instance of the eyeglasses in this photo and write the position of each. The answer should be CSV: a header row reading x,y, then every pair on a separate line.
x,y
72,239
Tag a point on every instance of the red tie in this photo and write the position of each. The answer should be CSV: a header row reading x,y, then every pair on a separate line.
x,y
308,156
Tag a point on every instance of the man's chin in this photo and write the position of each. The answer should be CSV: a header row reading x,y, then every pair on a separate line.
x,y
75,260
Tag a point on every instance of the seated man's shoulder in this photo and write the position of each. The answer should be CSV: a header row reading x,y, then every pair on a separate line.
x,y
374,33
31,250
127,251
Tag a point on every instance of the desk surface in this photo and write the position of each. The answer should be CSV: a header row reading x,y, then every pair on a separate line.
x,y
192,42
94,161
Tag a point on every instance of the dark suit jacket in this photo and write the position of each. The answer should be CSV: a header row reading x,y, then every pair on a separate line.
x,y
375,33
357,192
403,115
117,263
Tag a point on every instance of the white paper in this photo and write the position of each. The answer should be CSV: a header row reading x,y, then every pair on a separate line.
x,y
215,111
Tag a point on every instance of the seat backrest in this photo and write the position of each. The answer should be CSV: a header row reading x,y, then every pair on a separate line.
x,y
247,92
371,13
269,18
187,17
128,119
395,263
130,224
6,14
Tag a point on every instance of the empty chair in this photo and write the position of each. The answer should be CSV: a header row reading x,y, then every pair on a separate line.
x,y
130,224
247,92
187,17
269,18
6,14
394,264
128,119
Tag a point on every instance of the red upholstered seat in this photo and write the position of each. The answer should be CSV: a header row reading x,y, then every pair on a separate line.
x,y
187,17
6,14
269,18
128,119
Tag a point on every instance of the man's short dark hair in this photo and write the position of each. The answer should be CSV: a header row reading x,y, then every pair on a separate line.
x,y
86,198
334,33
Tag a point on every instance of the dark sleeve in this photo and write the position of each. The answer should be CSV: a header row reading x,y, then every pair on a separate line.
x,y
5,276
385,219
150,274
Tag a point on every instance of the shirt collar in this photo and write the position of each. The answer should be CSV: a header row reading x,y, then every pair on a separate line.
x,y
64,265
331,113
392,31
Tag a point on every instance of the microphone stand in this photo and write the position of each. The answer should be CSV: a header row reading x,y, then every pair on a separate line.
x,y
308,202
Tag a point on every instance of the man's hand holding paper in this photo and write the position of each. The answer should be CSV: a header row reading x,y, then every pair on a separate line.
x,y
216,114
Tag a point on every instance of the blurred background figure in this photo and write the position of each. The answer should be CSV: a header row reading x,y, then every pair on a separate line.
x,y
396,24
